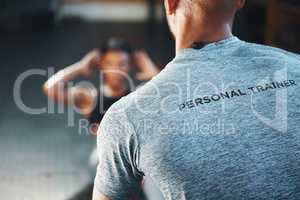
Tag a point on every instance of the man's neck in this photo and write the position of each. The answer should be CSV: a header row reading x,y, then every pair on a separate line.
x,y
205,32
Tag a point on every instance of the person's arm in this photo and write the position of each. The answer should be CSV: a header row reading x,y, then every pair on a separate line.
x,y
147,68
118,176
81,97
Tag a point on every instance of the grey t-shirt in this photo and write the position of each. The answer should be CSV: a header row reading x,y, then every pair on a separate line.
x,y
222,122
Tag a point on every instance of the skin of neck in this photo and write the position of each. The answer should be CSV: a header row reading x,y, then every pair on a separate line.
x,y
191,28
117,91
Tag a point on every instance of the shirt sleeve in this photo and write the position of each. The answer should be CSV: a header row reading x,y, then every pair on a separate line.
x,y
117,174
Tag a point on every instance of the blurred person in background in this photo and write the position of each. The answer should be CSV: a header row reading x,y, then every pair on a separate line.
x,y
115,59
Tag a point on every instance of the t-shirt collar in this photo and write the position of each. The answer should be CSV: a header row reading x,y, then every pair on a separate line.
x,y
209,46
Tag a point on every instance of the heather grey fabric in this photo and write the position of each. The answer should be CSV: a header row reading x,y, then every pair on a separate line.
x,y
222,122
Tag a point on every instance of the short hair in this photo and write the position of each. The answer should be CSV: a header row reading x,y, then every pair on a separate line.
x,y
215,6
115,44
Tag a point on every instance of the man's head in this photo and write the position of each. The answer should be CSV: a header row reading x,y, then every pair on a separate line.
x,y
201,14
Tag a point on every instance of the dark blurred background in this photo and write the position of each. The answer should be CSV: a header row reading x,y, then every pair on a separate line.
x,y
41,157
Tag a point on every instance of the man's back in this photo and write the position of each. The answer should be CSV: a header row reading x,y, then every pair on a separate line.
x,y
222,122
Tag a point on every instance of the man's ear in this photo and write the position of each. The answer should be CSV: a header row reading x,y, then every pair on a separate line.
x,y
240,4
171,6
